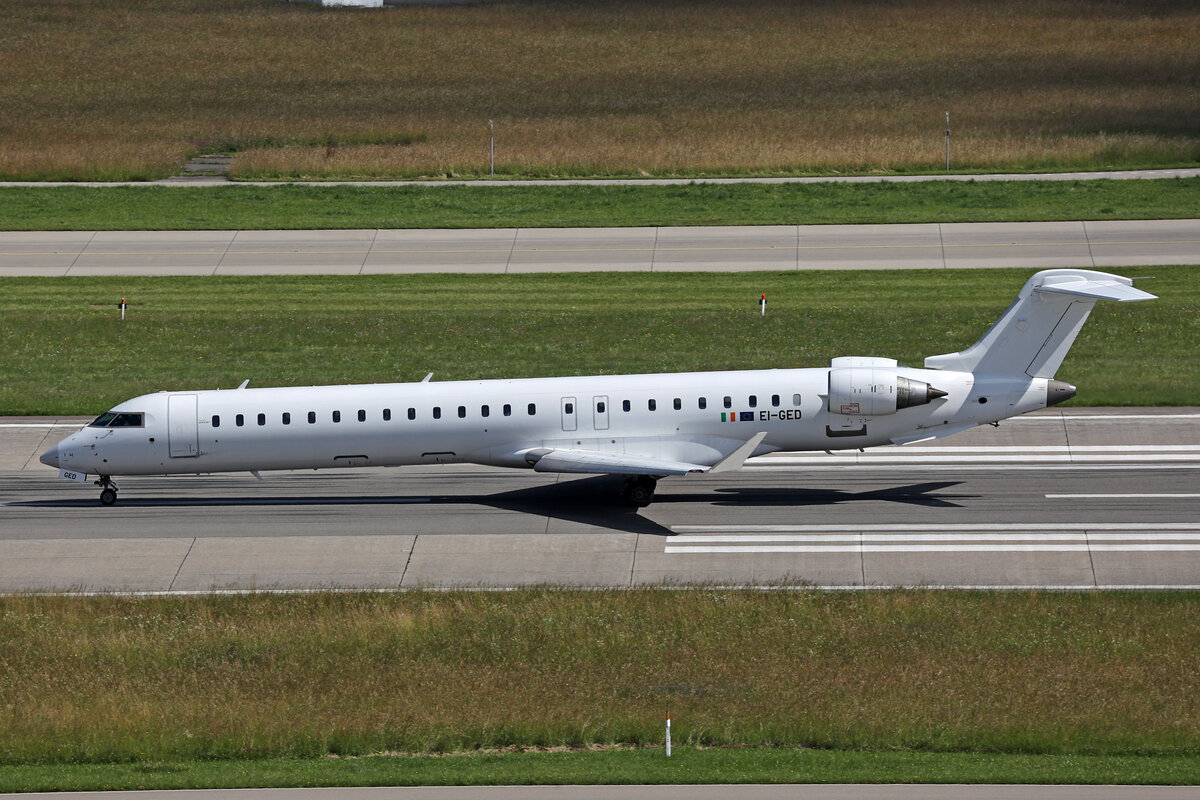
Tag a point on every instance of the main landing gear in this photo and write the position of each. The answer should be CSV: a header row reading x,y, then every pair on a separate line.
x,y
108,490
639,490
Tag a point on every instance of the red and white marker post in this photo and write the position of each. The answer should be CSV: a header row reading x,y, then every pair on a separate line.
x,y
668,733
763,304
122,309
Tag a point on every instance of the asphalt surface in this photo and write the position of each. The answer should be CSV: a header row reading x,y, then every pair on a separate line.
x,y
1034,245
1078,498
677,792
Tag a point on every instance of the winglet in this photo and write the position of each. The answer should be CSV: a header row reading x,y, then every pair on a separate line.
x,y
738,457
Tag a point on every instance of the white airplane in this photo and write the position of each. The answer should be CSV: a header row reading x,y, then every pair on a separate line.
x,y
641,426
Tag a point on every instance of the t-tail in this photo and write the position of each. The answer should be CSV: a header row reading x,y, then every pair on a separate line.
x,y
1033,336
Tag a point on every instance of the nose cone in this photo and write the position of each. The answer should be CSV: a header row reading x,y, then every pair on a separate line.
x,y
50,457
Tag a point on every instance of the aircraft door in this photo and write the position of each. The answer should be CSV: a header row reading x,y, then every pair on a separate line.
x,y
569,414
600,412
181,426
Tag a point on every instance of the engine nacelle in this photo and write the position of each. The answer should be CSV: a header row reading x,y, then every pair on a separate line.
x,y
870,387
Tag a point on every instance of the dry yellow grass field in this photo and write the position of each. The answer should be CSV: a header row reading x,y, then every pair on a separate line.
x,y
111,88
147,679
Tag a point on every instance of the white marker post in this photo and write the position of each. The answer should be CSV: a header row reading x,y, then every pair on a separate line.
x,y
492,147
763,304
122,309
668,734
947,141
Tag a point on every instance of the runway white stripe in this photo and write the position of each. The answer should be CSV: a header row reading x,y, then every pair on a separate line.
x,y
1115,496
967,538
813,538
934,548
924,527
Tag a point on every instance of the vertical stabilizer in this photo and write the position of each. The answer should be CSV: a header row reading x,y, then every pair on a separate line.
x,y
1035,333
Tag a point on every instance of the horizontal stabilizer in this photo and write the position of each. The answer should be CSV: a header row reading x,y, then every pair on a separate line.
x,y
591,461
1109,288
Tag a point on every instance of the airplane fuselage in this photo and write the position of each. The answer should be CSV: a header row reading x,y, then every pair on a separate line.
x,y
697,417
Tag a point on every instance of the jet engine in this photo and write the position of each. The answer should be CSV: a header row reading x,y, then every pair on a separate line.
x,y
870,387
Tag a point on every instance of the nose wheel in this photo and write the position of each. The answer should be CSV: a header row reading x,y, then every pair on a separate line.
x,y
108,490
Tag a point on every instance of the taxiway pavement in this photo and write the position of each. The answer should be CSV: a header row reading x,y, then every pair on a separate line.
x,y
1072,498
1032,245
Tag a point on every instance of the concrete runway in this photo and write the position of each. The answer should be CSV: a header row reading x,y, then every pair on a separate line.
x,y
1079,498
1037,245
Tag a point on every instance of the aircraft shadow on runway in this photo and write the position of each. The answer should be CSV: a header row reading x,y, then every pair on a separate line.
x,y
593,501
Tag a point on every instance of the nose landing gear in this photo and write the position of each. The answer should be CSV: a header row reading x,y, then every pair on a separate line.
x,y
108,490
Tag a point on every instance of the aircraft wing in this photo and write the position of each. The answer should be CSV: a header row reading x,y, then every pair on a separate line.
x,y
596,462
592,461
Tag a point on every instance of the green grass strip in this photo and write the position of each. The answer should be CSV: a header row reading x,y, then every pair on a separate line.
x,y
648,766
67,351
300,207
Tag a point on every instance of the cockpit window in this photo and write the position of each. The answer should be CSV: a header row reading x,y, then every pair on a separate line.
x,y
112,419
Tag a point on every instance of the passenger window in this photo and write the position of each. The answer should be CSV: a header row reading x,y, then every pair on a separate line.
x,y
728,401
337,416
652,405
462,412
437,412
775,400
262,419
569,408
484,411
532,409
239,420
312,417
507,410
703,403
795,399
600,407
287,418
387,415
678,404
624,405
754,401
412,413
216,421
362,415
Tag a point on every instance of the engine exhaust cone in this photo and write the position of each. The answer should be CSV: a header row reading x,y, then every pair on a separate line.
x,y
1058,392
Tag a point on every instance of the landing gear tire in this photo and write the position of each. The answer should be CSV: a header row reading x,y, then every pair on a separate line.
x,y
639,491
108,491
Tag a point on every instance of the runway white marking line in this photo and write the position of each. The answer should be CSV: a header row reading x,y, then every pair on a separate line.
x,y
1078,538
964,538
43,425
936,548
924,527
1114,496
